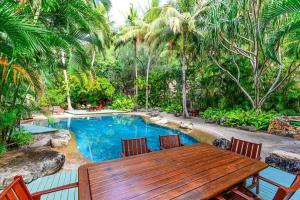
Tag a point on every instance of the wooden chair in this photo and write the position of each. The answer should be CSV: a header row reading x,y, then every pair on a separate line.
x,y
17,190
248,149
135,146
169,141
283,193
245,148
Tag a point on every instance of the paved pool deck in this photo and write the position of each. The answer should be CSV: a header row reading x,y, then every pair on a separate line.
x,y
270,142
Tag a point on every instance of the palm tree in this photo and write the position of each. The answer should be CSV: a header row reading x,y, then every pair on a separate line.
x,y
78,24
151,15
180,20
21,43
131,33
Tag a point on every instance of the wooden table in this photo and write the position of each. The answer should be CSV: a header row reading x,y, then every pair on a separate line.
x,y
197,171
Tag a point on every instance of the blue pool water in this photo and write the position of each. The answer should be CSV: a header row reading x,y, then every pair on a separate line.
x,y
99,138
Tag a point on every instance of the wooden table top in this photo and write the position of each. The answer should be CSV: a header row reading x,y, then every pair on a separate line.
x,y
197,171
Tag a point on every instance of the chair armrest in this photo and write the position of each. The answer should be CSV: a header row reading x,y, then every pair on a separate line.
x,y
271,182
37,195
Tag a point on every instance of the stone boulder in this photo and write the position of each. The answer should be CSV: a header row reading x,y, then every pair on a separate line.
x,y
284,160
156,119
283,126
60,138
221,143
155,112
186,125
163,121
210,121
31,163
177,114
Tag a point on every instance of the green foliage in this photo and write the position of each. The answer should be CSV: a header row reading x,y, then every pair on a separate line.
x,y
171,107
56,96
122,102
51,120
2,148
239,117
295,123
8,119
87,90
21,137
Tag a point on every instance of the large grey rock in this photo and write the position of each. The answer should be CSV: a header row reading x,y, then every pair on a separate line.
x,y
186,125
284,160
31,163
221,143
210,121
41,140
60,138
154,112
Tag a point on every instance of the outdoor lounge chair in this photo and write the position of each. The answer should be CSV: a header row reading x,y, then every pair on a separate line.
x,y
248,149
135,146
169,141
283,193
18,190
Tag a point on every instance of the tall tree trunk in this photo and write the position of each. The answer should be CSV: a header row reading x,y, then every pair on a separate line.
x,y
136,71
147,80
63,59
184,68
94,3
68,91
92,71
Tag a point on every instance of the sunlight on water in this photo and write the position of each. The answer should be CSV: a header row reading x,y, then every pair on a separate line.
x,y
99,138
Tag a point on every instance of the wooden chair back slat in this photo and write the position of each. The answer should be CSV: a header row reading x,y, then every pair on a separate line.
x,y
130,150
287,193
135,146
169,141
11,195
16,190
245,148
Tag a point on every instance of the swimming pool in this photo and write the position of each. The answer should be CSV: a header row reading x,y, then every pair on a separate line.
x,y
99,138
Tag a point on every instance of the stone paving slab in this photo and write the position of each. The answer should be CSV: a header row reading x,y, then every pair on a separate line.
x,y
37,129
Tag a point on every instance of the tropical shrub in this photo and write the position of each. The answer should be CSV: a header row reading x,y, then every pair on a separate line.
x,y
56,96
239,117
51,120
171,107
122,102
2,148
21,137
86,90
43,102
